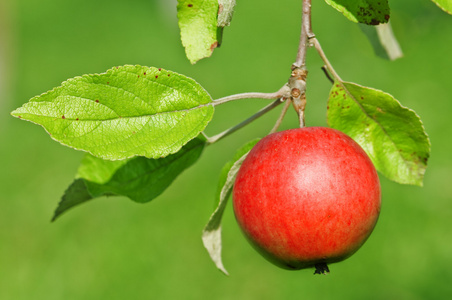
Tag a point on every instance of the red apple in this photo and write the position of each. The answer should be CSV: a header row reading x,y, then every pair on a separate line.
x,y
307,197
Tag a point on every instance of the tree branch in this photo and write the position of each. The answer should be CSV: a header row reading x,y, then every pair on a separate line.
x,y
305,35
297,81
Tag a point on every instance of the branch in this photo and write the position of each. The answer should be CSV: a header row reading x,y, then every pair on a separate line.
x,y
297,81
305,35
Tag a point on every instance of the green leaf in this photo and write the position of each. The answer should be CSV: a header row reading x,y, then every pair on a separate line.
x,y
445,5
392,135
371,12
225,12
211,236
77,193
127,111
198,27
139,178
383,40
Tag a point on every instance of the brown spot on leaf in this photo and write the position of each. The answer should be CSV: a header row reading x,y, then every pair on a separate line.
x,y
63,117
97,100
156,76
190,5
160,69
213,46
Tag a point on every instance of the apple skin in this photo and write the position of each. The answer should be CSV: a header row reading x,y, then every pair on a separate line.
x,y
307,197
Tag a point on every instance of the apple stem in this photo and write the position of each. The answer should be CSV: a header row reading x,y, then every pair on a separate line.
x,y
281,117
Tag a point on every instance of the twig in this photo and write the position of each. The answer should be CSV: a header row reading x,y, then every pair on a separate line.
x,y
305,35
297,81
260,113
325,70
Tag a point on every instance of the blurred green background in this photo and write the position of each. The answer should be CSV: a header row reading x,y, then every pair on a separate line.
x,y
112,248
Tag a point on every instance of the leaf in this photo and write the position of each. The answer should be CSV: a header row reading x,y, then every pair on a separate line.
x,y
77,193
371,12
445,5
139,178
127,111
198,27
211,235
383,41
392,135
225,12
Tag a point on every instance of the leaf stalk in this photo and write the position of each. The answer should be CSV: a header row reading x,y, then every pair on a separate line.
x,y
322,55
234,97
216,138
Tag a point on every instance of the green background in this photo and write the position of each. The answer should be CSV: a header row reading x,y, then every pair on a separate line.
x,y
112,248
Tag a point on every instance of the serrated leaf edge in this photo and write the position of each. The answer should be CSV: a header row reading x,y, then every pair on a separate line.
x,y
53,90
342,84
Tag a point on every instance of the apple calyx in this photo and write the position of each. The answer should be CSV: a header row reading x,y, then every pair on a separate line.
x,y
321,268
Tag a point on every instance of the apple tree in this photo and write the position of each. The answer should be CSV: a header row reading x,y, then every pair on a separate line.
x,y
142,126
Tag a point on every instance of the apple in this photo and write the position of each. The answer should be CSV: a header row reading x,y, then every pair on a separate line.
x,y
307,197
